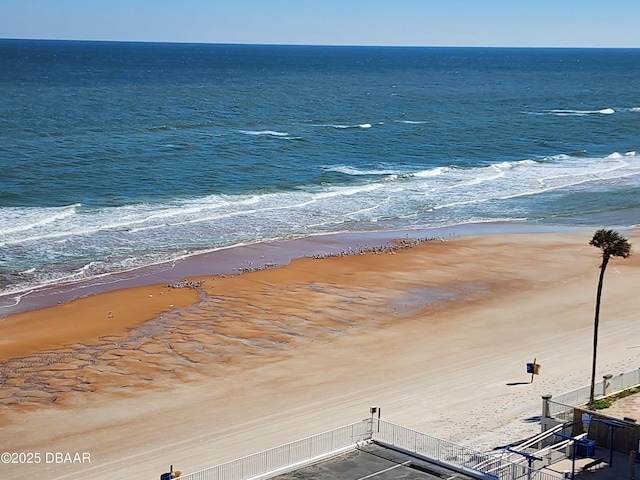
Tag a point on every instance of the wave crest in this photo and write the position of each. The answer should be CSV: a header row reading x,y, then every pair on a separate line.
x,y
270,133
602,111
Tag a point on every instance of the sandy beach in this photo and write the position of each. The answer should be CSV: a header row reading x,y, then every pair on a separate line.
x,y
436,335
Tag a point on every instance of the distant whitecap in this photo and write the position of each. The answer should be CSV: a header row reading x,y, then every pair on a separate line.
x,y
568,112
271,133
349,170
340,126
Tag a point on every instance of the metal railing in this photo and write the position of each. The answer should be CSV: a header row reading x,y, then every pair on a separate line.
x,y
561,406
480,465
287,456
560,412
576,397
603,388
297,454
623,381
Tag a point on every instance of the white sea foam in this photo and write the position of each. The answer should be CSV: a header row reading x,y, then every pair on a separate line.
x,y
271,133
491,181
348,191
432,172
134,235
160,128
350,170
24,219
340,126
483,175
568,112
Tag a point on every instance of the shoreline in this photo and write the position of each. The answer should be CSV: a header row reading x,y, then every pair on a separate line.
x,y
231,260
437,335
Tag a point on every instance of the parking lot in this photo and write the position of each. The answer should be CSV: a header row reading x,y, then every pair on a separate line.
x,y
376,462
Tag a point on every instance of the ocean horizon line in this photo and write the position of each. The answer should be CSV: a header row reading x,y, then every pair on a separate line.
x,y
320,45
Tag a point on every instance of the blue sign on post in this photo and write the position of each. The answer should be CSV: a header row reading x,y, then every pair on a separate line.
x,y
533,369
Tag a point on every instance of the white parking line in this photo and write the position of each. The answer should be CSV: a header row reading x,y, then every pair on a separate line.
x,y
403,464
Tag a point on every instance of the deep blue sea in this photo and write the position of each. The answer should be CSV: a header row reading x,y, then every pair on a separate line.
x,y
120,155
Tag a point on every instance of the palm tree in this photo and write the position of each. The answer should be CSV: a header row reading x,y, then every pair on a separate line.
x,y
612,244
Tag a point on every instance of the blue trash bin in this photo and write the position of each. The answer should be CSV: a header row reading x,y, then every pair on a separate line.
x,y
586,448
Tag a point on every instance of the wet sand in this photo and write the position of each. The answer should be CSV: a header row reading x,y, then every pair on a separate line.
x,y
436,335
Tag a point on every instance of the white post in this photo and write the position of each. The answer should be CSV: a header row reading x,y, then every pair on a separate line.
x,y
373,411
606,384
545,406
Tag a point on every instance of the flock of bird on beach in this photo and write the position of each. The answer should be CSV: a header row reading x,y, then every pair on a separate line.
x,y
380,249
360,250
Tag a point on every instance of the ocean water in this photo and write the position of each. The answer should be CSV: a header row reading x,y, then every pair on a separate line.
x,y
120,155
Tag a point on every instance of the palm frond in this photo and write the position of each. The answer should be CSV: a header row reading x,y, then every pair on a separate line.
x,y
611,243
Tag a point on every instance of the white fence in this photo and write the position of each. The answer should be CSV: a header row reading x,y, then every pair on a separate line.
x,y
296,454
479,465
561,406
286,457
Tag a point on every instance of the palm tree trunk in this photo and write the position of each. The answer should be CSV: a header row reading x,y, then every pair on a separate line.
x,y
596,321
